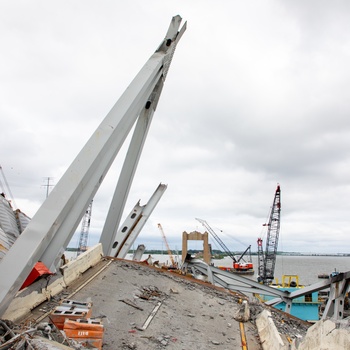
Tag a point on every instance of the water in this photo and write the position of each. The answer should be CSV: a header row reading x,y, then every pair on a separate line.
x,y
306,267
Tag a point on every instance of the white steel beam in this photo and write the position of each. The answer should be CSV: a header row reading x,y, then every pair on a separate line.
x,y
233,281
133,224
109,232
339,287
336,299
49,232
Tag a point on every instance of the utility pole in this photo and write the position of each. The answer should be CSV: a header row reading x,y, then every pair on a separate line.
x,y
47,185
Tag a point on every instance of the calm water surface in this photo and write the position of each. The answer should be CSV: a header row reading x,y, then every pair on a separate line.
x,y
306,267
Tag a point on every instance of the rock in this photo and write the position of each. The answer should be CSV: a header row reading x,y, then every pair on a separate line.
x,y
243,313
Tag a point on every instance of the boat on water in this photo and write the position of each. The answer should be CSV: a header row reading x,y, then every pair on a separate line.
x,y
332,274
241,268
305,307
242,264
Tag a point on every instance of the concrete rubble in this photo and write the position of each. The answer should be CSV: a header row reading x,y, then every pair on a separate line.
x,y
326,335
148,308
191,314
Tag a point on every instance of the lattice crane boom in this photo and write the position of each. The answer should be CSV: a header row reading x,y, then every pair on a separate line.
x,y
244,253
267,261
260,259
167,245
217,238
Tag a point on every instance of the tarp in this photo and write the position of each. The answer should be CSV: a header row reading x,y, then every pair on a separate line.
x,y
39,270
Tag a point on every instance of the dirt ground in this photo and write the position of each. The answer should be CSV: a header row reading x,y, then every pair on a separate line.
x,y
190,315
146,308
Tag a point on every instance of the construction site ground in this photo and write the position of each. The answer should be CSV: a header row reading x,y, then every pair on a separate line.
x,y
146,308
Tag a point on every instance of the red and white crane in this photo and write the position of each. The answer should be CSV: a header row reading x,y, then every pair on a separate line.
x,y
239,264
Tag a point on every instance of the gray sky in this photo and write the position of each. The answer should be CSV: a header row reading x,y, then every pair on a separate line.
x,y
257,94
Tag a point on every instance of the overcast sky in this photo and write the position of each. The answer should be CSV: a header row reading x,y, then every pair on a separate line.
x,y
257,94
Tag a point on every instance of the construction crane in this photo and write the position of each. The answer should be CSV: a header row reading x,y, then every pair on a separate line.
x,y
167,246
244,253
237,264
64,208
6,187
267,260
84,234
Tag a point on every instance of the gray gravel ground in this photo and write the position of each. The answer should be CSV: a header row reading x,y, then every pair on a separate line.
x,y
146,308
192,314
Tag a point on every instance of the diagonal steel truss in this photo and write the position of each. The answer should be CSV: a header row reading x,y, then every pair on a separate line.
x,y
49,232
339,287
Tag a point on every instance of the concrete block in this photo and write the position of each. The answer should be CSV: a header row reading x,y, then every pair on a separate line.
x,y
46,344
326,326
324,335
268,333
24,302
75,268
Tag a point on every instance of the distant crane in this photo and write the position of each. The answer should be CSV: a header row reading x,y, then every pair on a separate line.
x,y
84,234
6,187
267,260
237,264
167,245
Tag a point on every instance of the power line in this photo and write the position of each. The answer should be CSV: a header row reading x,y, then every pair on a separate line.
x,y
47,185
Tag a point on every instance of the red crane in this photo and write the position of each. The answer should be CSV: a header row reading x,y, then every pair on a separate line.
x,y
239,264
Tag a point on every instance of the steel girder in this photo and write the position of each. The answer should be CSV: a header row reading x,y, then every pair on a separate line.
x,y
338,290
109,232
339,286
302,291
49,232
232,281
134,223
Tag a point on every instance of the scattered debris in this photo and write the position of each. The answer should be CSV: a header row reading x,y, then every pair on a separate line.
x,y
129,302
150,317
27,335
243,313
191,313
151,292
